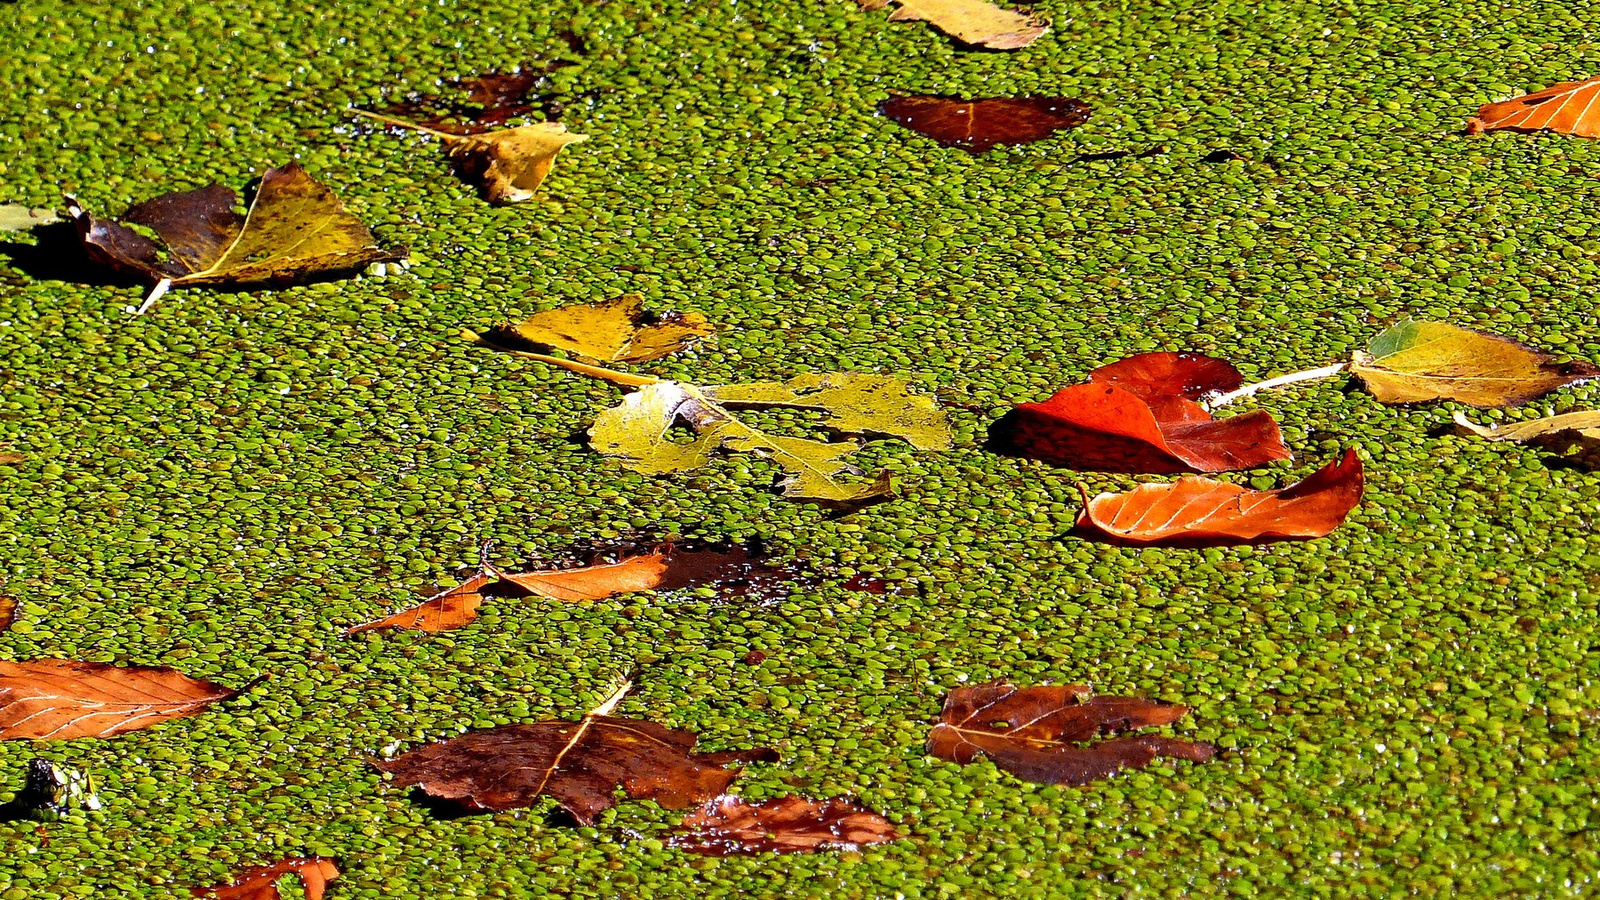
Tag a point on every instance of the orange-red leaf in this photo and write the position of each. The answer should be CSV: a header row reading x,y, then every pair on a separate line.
x,y
1036,732
451,608
1140,415
261,882
1200,512
728,826
1571,107
636,573
58,699
8,612
978,125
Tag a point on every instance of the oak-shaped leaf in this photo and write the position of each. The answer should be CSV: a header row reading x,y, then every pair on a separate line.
x,y
1201,512
1140,415
730,826
58,699
639,431
1575,436
617,330
509,163
578,764
295,230
1570,107
977,23
1416,361
977,126
1042,733
261,882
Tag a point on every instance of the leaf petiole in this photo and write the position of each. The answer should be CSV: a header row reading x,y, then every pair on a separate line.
x,y
603,374
1215,400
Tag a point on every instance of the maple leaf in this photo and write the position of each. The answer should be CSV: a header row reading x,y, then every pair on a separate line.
x,y
977,126
296,229
1567,108
1036,732
616,330
1140,415
261,882
977,23
1575,435
1200,512
510,163
578,764
729,826
58,699
1416,361
637,431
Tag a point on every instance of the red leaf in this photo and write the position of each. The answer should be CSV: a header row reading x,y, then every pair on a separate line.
x,y
58,699
729,825
978,125
1200,512
1139,415
261,882
1567,108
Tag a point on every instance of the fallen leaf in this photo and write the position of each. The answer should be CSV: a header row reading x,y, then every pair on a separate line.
x,y
510,163
450,608
616,330
1564,434
58,699
978,125
636,573
295,229
1568,108
8,458
1139,415
8,612
638,432
261,882
1416,361
977,23
578,764
17,217
493,98
1200,512
729,826
1035,732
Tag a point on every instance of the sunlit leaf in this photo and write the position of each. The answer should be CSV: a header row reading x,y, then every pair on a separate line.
x,y
261,882
977,126
58,699
1571,107
729,826
1417,361
977,23
616,330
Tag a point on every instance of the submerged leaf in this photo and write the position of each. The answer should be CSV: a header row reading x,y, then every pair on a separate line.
x,y
617,330
1139,415
1574,435
1570,107
58,699
261,882
17,217
578,764
978,125
638,432
295,229
978,23
1035,733
729,826
1417,361
1200,512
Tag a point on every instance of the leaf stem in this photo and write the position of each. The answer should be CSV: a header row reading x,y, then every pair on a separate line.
x,y
156,293
603,374
402,123
610,703
1218,399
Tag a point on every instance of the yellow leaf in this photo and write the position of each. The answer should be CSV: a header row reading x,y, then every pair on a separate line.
x,y
853,403
1418,361
1573,435
511,164
975,22
616,330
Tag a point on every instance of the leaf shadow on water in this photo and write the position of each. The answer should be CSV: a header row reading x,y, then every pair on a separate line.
x,y
57,254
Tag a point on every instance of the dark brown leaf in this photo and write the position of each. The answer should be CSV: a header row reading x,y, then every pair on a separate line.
x,y
978,125
1034,732
729,826
261,882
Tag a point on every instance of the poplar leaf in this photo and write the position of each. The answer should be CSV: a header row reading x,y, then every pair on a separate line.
x,y
1418,361
616,330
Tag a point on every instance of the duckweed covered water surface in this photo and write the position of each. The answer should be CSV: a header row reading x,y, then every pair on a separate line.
x,y
227,483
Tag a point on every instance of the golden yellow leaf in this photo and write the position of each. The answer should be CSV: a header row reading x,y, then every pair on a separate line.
x,y
510,163
975,22
1418,361
1575,436
617,330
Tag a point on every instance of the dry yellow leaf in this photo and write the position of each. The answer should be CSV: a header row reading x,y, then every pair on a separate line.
x,y
617,330
1418,361
510,164
975,22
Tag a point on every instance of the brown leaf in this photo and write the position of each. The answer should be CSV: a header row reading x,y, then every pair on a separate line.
x,y
8,612
729,826
261,882
978,125
1567,108
1033,732
450,608
1200,512
977,23
636,573
578,764
58,699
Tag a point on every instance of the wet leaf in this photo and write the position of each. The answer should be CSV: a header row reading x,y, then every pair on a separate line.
x,y
510,163
1200,512
977,23
450,608
261,882
1038,733
59,699
616,330
1575,436
8,612
729,826
1140,415
978,125
16,217
1570,107
295,230
578,764
638,432
1417,361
